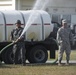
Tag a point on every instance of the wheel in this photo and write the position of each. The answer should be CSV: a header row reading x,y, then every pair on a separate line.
x,y
8,56
38,54
3,56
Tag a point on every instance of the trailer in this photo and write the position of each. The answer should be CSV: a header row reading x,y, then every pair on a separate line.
x,y
37,42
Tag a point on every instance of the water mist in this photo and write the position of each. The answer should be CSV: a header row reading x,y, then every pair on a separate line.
x,y
39,5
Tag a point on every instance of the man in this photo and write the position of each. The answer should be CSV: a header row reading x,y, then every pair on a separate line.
x,y
64,36
19,46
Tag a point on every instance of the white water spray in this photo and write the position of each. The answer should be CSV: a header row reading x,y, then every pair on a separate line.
x,y
39,5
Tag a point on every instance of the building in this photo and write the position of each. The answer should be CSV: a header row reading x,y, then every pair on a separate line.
x,y
56,8
7,4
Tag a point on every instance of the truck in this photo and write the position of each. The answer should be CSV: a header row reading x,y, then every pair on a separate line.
x,y
37,39
73,29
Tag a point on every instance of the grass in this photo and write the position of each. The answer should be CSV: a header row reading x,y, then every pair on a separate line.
x,y
40,69
72,55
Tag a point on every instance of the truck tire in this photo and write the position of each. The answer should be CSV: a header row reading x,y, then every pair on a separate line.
x,y
8,56
38,54
3,56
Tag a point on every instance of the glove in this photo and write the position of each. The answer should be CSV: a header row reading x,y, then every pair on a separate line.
x,y
17,40
13,41
59,42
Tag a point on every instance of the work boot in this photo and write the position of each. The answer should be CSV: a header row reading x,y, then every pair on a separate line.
x,y
59,63
24,64
67,63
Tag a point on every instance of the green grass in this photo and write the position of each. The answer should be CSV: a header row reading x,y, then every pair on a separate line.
x,y
40,69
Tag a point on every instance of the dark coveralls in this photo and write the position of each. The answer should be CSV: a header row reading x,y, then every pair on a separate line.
x,y
19,47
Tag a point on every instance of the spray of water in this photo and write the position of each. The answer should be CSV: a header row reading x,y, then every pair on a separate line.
x,y
39,5
29,22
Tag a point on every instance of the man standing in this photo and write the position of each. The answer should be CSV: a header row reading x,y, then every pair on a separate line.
x,y
19,46
64,36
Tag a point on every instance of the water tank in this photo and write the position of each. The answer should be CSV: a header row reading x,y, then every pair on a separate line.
x,y
39,29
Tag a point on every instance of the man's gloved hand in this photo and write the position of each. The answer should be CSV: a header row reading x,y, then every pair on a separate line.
x,y
17,40
13,41
59,42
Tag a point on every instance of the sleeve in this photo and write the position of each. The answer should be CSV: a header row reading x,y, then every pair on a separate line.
x,y
23,36
11,35
58,38
71,36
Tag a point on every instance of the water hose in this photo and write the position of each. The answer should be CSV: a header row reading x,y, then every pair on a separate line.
x,y
6,47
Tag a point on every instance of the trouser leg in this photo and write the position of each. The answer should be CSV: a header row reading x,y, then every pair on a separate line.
x,y
15,53
60,54
22,52
68,51
22,56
